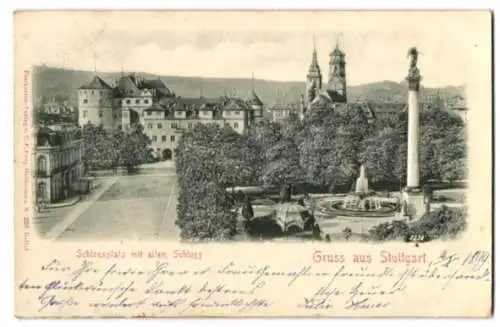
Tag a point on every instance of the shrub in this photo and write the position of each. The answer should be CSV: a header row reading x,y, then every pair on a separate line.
x,y
445,223
347,233
395,230
247,210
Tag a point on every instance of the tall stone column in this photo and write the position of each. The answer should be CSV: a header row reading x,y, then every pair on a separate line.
x,y
413,78
413,197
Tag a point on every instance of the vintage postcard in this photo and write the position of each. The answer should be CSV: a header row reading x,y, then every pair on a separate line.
x,y
257,164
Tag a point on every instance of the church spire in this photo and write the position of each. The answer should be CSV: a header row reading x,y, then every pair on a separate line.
x,y
314,77
314,66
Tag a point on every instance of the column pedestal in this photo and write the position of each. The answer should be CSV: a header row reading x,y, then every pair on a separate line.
x,y
414,200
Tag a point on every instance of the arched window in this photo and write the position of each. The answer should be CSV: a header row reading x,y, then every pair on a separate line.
x,y
42,164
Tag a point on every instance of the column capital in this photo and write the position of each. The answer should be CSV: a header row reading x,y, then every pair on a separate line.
x,y
414,79
413,84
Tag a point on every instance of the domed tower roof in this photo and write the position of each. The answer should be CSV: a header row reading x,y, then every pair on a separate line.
x,y
337,52
254,99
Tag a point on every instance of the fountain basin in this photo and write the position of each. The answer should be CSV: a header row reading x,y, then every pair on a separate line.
x,y
332,207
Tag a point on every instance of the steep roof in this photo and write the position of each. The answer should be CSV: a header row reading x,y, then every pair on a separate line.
x,y
181,101
97,83
155,107
255,100
127,87
158,85
329,96
235,104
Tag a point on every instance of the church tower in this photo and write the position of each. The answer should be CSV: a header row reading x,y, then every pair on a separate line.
x,y
337,77
314,78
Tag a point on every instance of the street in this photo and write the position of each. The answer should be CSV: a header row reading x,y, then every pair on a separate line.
x,y
139,207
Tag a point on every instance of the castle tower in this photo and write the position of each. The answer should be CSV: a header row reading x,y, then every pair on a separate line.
x,y
94,103
314,78
337,76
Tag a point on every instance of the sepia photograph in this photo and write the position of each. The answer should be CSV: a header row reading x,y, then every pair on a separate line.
x,y
333,153
253,163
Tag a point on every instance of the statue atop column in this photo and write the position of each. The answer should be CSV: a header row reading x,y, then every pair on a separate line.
x,y
414,76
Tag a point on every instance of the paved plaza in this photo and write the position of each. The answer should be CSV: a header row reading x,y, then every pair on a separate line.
x,y
139,207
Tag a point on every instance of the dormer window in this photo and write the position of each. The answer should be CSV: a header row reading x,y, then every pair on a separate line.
x,y
146,101
128,101
137,101
85,101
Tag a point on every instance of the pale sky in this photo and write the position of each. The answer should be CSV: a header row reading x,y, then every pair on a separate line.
x,y
272,45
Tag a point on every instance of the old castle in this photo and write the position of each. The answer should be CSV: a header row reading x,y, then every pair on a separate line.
x,y
149,102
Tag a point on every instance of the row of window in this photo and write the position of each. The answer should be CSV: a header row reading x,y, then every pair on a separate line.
x,y
180,113
176,125
278,113
96,92
163,138
137,101
125,114
172,125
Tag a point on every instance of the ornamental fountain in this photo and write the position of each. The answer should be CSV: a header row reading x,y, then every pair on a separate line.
x,y
360,199
363,202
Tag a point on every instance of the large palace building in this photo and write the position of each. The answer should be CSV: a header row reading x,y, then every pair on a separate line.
x,y
164,115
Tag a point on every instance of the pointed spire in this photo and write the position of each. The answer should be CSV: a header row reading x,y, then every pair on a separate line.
x,y
314,61
121,68
254,98
201,88
95,65
314,66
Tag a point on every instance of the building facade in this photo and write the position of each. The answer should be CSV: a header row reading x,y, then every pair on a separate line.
x,y
280,112
165,121
58,162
